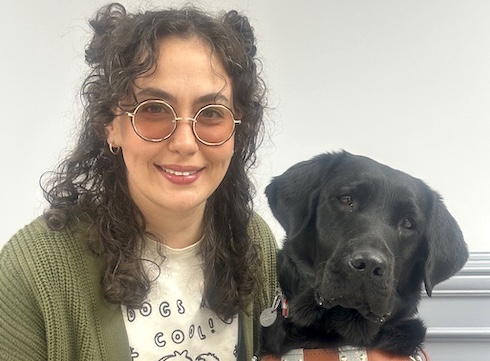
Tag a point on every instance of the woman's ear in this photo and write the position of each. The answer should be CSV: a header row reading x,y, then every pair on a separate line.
x,y
113,136
109,132
112,132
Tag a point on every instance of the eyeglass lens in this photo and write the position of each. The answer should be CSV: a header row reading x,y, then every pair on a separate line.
x,y
156,120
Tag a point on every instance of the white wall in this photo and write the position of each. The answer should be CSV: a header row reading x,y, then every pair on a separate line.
x,y
404,82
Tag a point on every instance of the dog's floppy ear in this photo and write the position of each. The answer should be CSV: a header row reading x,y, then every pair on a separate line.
x,y
293,195
447,251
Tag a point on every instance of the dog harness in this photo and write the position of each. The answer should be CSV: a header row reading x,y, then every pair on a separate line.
x,y
345,353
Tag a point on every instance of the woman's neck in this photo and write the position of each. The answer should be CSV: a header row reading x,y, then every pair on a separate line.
x,y
177,230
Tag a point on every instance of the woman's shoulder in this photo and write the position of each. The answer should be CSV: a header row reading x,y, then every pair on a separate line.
x,y
37,245
259,226
264,238
262,234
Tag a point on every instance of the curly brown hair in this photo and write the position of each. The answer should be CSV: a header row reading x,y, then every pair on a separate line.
x,y
125,46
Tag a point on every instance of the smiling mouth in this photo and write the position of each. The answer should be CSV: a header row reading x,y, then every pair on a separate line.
x,y
179,173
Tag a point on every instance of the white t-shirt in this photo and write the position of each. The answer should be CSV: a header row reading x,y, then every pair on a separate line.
x,y
173,325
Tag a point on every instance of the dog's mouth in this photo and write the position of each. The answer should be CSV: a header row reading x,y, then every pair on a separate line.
x,y
364,310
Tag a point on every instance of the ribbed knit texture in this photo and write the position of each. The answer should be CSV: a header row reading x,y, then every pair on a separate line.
x,y
51,304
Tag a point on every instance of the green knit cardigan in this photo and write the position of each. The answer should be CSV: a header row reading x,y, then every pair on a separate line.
x,y
52,306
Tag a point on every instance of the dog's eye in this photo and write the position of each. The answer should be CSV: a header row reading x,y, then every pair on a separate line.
x,y
346,202
407,223
345,199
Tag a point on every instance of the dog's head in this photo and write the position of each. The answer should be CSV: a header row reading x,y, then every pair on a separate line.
x,y
365,234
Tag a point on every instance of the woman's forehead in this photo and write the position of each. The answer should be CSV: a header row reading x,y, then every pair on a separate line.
x,y
185,65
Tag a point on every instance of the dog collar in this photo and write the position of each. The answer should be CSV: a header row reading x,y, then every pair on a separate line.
x,y
345,353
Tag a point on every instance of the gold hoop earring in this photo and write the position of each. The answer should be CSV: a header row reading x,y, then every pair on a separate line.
x,y
114,150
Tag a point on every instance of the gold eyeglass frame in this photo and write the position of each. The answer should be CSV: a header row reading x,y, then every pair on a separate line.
x,y
176,119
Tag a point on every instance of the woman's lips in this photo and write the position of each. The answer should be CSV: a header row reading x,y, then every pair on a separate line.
x,y
181,175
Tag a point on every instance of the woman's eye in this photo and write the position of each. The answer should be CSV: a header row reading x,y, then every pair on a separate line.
x,y
211,113
154,109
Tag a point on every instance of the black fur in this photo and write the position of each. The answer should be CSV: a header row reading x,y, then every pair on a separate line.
x,y
361,239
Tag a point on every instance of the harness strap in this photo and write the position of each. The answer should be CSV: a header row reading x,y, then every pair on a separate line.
x,y
344,354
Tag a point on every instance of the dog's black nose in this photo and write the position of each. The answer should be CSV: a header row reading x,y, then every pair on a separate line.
x,y
371,263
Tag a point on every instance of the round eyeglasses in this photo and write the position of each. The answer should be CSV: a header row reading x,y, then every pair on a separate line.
x,y
155,120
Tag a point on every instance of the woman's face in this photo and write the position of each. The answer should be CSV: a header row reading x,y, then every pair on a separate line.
x,y
178,174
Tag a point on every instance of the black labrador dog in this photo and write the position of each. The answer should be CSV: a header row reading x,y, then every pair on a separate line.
x,y
361,239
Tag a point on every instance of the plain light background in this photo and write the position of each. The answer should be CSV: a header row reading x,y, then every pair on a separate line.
x,y
404,82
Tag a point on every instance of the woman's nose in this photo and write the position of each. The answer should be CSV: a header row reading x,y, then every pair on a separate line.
x,y
183,139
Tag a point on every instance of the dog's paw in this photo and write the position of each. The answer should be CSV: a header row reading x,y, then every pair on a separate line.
x,y
353,328
304,311
402,338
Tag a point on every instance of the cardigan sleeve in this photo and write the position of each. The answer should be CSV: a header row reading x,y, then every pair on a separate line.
x,y
22,332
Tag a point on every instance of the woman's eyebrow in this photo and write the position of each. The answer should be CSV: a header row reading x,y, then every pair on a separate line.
x,y
212,98
203,99
156,93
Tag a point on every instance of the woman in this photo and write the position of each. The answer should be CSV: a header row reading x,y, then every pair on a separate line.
x,y
150,249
